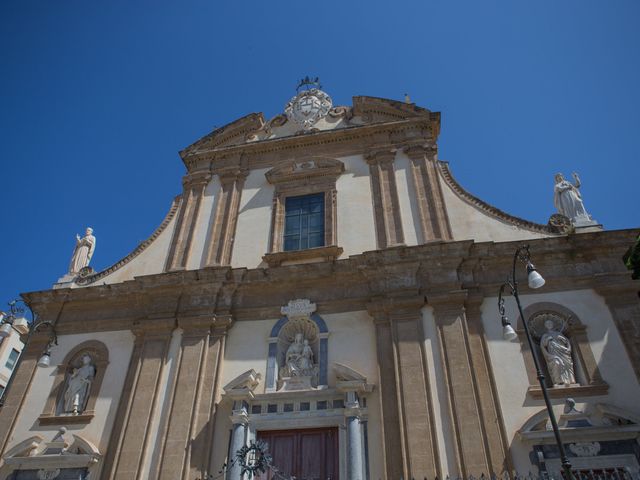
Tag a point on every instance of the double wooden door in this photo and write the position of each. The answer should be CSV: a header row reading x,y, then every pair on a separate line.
x,y
310,454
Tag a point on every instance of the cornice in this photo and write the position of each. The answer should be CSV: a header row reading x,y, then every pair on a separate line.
x,y
444,272
343,142
443,167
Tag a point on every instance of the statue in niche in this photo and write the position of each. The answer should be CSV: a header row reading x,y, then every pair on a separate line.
x,y
79,386
568,201
299,359
557,353
83,251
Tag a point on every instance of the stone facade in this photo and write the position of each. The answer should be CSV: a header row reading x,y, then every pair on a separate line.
x,y
406,362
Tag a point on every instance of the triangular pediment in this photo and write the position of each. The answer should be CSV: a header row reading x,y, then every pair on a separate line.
x,y
375,110
234,133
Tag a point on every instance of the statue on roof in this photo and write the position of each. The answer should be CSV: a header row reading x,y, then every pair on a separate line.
x,y
568,201
83,251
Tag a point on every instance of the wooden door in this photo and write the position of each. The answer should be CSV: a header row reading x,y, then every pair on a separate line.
x,y
310,454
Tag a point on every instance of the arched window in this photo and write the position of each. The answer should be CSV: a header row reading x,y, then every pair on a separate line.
x,y
560,339
76,385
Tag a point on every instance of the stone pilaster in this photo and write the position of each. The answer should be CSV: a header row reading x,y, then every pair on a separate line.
x,y
491,416
225,217
410,445
183,447
470,436
624,304
137,404
385,198
434,222
193,191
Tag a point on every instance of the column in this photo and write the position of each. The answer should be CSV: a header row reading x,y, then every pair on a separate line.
x,y
385,198
433,214
193,191
239,419
355,453
467,416
225,217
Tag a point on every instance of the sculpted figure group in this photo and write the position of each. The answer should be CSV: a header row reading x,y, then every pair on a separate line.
x,y
299,359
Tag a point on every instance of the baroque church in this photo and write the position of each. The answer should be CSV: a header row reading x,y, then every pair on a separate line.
x,y
321,301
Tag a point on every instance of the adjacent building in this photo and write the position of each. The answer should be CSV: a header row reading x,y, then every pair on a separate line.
x,y
325,286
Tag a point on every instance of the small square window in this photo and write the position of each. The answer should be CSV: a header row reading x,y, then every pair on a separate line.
x,y
305,406
272,408
322,405
256,409
288,407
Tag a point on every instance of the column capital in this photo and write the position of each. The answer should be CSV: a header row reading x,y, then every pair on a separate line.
x,y
384,308
376,157
240,417
196,179
231,174
448,305
419,152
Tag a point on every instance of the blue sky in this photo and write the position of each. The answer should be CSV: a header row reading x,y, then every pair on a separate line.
x,y
97,98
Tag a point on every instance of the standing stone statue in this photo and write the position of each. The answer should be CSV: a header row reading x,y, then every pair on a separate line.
x,y
568,201
557,353
79,386
83,251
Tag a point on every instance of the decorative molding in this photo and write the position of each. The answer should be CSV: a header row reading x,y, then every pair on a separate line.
x,y
443,167
327,254
313,174
576,391
138,250
303,170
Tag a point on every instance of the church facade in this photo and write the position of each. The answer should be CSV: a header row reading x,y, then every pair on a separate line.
x,y
324,286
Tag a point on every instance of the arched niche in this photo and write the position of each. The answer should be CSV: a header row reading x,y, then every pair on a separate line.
x,y
53,412
280,337
588,377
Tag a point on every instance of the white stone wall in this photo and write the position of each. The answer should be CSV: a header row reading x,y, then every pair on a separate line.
x,y
509,367
468,222
254,221
356,225
120,346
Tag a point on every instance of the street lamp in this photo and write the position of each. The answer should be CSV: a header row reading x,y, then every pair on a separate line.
x,y
7,322
535,281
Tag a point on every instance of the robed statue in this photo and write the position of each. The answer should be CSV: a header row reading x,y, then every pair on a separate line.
x,y
556,349
568,201
83,251
79,386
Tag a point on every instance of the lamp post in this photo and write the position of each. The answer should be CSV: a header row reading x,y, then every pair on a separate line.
x,y
7,320
535,281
